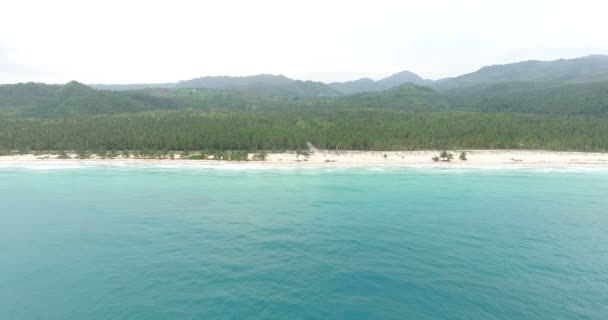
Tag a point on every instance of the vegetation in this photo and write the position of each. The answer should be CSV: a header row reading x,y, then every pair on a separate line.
x,y
82,154
587,69
407,96
260,156
505,107
154,134
71,99
446,156
463,156
302,153
220,155
369,85
63,155
75,99
263,84
531,97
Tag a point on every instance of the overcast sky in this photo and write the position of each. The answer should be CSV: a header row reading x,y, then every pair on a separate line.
x,y
107,41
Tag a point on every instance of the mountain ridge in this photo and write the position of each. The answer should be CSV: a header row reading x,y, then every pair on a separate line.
x,y
264,83
565,86
586,69
591,68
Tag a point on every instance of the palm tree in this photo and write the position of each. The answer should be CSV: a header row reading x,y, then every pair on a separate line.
x,y
63,155
463,156
446,156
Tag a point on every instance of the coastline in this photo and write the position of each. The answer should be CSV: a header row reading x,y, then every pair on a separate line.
x,y
346,159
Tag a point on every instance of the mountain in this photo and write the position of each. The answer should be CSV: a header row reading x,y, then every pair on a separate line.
x,y
74,88
28,96
262,84
408,96
74,98
593,68
369,85
277,85
574,87
355,86
532,97
132,87
401,78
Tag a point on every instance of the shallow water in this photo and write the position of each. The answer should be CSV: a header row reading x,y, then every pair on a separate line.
x,y
186,243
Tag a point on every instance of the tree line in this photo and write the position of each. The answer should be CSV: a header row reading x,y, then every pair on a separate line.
x,y
188,130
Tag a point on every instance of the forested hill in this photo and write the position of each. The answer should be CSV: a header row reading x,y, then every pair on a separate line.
x,y
560,105
532,97
74,98
407,117
278,85
369,85
593,68
35,99
263,84
407,96
134,86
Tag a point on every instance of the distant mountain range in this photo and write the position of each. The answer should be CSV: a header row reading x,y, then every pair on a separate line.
x,y
369,85
262,84
265,84
576,86
279,85
593,68
74,98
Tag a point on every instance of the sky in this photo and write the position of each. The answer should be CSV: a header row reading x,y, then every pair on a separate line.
x,y
109,41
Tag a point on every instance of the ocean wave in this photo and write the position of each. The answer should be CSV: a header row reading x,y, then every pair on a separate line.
x,y
309,168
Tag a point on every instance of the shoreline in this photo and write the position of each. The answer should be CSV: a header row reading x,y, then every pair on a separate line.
x,y
346,159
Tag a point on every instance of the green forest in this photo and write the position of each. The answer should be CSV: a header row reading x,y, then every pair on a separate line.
x,y
278,131
500,108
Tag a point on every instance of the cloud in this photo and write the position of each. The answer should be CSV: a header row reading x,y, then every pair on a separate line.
x,y
11,70
127,41
9,67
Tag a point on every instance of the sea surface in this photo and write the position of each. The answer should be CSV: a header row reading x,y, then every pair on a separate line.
x,y
137,242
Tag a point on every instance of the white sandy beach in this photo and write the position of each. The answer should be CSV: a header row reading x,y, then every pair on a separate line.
x,y
320,158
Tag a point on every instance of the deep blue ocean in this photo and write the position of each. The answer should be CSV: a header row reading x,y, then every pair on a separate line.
x,y
203,243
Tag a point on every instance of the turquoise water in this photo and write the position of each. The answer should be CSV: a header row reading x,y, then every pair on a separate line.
x,y
171,243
